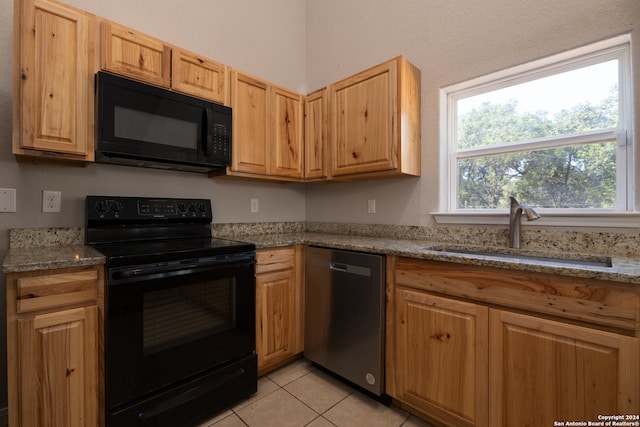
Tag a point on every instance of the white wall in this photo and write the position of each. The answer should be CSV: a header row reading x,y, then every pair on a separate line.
x,y
450,41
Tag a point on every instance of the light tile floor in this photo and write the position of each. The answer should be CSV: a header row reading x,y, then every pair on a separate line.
x,y
300,395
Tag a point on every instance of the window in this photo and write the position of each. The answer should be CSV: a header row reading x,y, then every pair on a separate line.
x,y
555,133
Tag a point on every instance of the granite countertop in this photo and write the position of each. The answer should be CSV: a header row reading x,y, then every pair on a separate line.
x,y
49,257
623,269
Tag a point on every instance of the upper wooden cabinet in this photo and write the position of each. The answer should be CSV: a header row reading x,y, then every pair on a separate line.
x,y
287,133
133,54
267,130
136,55
316,150
365,126
53,99
375,122
195,75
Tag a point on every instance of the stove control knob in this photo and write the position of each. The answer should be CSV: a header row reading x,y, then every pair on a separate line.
x,y
202,208
101,207
182,208
192,208
116,207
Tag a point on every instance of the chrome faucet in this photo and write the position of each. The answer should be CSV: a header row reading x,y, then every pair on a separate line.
x,y
515,212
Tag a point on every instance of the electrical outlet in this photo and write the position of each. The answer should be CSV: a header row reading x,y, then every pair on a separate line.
x,y
254,206
371,206
51,201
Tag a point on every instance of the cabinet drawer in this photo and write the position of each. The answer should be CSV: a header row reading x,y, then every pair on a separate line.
x,y
274,259
599,302
38,292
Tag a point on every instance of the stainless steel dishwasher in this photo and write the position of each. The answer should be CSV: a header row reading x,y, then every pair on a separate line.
x,y
344,315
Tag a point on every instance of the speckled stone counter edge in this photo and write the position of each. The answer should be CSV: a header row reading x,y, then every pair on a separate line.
x,y
48,248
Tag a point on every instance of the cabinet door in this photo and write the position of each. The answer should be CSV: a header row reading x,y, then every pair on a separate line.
x,y
136,55
544,371
55,81
315,150
441,357
58,357
197,76
287,144
362,121
275,314
250,103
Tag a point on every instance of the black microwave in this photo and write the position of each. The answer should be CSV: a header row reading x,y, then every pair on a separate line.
x,y
143,125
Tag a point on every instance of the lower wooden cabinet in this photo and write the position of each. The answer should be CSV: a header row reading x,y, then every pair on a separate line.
x,y
544,371
57,368
464,361
441,356
53,341
279,302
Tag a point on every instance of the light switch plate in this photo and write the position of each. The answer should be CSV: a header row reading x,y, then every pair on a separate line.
x,y
7,199
371,206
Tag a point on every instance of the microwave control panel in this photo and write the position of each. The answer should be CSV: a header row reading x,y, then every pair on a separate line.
x,y
219,146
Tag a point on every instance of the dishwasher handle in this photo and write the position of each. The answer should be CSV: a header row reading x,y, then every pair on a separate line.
x,y
350,269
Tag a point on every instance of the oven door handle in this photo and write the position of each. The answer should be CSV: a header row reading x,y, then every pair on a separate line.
x,y
137,274
187,396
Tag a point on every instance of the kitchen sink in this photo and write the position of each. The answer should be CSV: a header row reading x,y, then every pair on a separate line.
x,y
510,256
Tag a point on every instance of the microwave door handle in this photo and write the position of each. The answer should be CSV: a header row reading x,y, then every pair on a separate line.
x,y
207,137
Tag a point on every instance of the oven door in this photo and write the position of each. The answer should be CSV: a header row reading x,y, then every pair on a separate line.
x,y
168,323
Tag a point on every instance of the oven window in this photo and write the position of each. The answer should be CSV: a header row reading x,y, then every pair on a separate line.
x,y
175,316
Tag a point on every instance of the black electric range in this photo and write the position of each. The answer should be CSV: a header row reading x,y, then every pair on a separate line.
x,y
179,311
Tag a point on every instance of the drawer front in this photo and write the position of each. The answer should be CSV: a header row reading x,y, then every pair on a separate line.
x,y
56,290
275,259
604,303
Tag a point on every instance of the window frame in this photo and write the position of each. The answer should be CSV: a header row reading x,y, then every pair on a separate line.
x,y
625,214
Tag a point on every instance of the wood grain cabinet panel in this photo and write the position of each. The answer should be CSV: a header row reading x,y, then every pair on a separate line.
x,y
53,82
195,75
133,54
441,356
54,339
250,103
375,122
544,371
59,368
316,148
267,130
275,292
287,143
279,333
138,56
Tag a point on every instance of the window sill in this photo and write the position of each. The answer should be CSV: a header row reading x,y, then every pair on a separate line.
x,y
550,219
